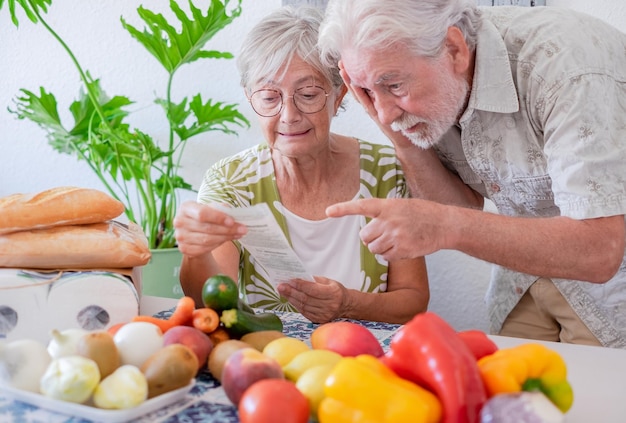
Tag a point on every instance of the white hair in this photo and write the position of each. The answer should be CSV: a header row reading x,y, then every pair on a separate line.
x,y
420,25
276,39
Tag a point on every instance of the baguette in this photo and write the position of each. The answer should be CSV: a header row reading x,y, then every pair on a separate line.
x,y
93,246
56,207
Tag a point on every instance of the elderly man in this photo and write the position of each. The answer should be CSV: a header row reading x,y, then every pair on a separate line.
x,y
524,106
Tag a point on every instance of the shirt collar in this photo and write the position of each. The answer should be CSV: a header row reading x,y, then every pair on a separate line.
x,y
493,89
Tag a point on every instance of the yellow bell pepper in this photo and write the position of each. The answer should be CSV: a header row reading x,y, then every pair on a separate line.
x,y
363,390
528,367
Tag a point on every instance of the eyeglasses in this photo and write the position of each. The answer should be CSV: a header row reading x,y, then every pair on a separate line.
x,y
268,103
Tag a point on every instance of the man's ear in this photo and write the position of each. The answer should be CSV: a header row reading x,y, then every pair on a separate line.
x,y
340,96
458,50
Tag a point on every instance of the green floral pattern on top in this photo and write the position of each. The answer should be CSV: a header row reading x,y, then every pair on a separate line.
x,y
248,178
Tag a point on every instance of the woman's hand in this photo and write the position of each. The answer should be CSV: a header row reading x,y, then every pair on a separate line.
x,y
199,229
320,301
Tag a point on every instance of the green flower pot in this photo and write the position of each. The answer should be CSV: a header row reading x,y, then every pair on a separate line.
x,y
159,277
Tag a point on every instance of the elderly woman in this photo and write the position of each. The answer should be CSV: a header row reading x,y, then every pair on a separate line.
x,y
300,169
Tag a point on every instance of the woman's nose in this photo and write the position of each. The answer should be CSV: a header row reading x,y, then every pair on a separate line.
x,y
289,112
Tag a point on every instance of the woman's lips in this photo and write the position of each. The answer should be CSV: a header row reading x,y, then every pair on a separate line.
x,y
293,134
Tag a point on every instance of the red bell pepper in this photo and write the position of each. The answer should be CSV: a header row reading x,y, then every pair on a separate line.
x,y
429,352
478,342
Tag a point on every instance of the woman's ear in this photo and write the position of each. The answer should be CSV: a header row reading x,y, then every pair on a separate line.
x,y
458,50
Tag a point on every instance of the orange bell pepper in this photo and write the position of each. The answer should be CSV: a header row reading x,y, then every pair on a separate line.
x,y
528,367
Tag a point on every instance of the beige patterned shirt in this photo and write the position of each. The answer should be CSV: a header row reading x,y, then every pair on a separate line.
x,y
545,135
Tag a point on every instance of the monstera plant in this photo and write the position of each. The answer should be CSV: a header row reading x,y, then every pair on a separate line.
x,y
136,169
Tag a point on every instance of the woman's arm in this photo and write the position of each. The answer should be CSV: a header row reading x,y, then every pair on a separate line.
x,y
407,295
204,236
194,271
326,299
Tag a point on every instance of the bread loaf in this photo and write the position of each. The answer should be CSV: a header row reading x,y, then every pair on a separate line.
x,y
94,246
55,207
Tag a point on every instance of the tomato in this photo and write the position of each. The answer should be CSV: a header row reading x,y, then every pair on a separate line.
x,y
272,401
220,292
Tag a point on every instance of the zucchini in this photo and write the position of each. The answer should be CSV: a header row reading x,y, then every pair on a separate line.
x,y
242,305
239,322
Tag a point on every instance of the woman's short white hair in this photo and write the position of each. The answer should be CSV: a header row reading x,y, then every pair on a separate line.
x,y
272,43
421,25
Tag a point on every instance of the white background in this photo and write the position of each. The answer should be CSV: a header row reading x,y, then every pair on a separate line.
x,y
30,58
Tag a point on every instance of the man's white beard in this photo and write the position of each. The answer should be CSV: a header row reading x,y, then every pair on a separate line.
x,y
422,138
448,110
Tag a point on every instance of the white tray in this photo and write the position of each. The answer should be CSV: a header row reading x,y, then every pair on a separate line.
x,y
98,414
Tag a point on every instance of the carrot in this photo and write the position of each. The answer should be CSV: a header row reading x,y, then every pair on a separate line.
x,y
205,319
182,315
114,328
219,335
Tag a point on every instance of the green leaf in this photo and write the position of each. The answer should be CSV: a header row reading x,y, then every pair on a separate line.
x,y
172,48
212,116
32,9
85,113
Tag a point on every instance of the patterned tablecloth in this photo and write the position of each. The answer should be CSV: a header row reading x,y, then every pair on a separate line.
x,y
206,402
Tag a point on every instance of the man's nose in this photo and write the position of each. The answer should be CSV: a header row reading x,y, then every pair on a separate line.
x,y
387,110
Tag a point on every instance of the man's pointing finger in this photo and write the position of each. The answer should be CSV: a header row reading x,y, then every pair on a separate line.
x,y
369,207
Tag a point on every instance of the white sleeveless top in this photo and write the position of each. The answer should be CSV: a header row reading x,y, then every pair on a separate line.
x,y
309,239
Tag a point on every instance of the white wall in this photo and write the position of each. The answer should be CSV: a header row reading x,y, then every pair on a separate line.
x,y
29,58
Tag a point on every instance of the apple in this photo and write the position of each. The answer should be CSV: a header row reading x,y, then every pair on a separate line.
x,y
346,338
245,367
198,341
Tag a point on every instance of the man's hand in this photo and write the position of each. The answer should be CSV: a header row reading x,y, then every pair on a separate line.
x,y
360,95
399,228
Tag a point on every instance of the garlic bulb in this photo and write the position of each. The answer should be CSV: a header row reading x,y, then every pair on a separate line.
x,y
64,343
126,387
72,378
22,363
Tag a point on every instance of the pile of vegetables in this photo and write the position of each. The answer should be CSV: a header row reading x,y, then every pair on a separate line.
x,y
133,361
109,371
430,373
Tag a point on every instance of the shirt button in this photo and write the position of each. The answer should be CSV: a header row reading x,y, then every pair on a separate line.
x,y
519,290
495,188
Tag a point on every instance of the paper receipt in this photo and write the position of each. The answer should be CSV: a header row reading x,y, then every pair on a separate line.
x,y
267,243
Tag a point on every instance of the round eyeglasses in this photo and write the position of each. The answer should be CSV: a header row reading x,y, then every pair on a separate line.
x,y
268,103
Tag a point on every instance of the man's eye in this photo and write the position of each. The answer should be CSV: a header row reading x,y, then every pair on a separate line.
x,y
395,88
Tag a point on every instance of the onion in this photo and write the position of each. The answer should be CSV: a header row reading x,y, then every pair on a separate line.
x,y
136,341
527,407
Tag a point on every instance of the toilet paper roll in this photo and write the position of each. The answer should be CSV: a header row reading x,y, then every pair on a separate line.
x,y
34,303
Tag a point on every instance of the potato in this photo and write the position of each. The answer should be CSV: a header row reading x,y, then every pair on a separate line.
x,y
220,354
100,347
261,338
170,368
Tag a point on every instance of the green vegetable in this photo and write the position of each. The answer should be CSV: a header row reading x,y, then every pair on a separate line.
x,y
242,305
239,322
220,292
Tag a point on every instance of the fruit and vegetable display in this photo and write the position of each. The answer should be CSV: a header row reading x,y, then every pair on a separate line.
x,y
340,374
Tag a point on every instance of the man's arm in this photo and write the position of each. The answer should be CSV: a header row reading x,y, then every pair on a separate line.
x,y
556,247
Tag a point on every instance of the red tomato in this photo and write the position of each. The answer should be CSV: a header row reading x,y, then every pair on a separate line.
x,y
272,401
